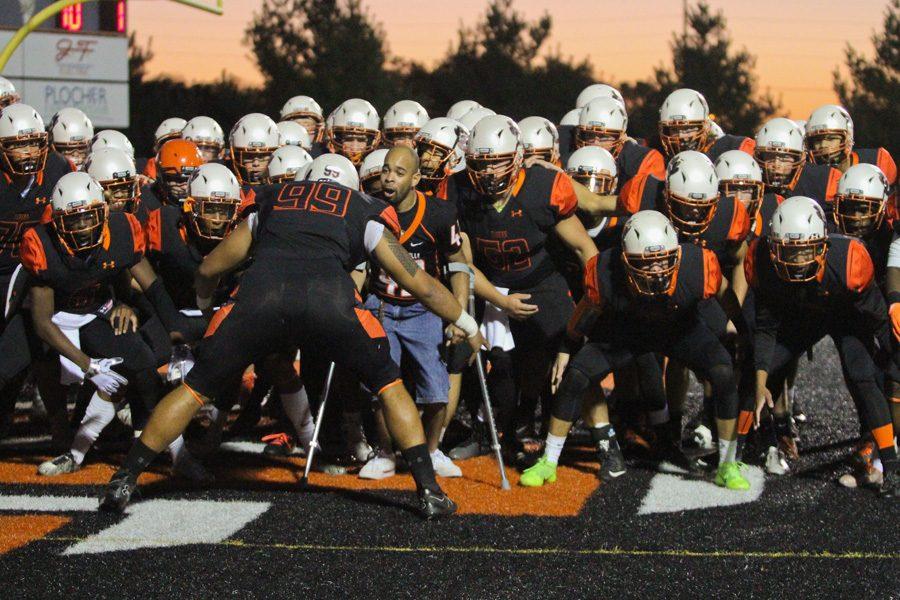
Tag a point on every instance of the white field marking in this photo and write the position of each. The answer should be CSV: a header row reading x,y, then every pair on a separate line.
x,y
671,493
25,441
150,524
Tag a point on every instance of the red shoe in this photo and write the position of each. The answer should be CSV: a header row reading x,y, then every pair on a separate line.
x,y
278,444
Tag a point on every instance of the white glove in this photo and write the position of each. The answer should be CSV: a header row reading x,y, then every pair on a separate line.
x,y
101,375
180,363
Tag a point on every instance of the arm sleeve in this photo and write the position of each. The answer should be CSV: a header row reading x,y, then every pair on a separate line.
x,y
563,200
764,335
374,232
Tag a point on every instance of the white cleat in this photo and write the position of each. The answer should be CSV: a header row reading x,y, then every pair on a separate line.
x,y
60,465
776,463
381,466
443,466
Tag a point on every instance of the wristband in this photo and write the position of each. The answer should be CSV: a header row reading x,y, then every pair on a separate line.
x,y
204,303
467,323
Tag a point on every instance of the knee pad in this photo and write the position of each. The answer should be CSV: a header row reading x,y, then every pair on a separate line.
x,y
567,403
724,391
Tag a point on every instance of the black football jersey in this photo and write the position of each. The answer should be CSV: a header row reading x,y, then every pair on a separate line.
x,y
509,246
25,204
82,283
429,232
760,226
150,199
306,226
730,142
606,285
635,160
818,182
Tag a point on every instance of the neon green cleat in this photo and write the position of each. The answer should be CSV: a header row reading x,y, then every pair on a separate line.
x,y
543,471
729,476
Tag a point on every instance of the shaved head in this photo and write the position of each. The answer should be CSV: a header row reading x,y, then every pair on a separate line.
x,y
403,155
400,176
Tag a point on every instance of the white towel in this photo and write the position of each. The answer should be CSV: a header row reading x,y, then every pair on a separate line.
x,y
70,324
495,326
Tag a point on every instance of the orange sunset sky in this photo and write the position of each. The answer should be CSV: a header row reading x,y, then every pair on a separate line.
x,y
798,43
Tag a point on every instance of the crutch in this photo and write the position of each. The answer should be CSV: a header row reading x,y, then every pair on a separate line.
x,y
488,411
314,442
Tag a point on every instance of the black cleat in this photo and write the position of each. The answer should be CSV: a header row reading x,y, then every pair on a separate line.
x,y
118,492
435,505
612,461
891,487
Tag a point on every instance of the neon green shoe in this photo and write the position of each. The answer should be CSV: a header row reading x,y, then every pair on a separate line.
x,y
543,471
729,476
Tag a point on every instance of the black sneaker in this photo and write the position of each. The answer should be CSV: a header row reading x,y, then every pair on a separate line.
x,y
278,444
118,492
891,486
612,462
435,505
477,444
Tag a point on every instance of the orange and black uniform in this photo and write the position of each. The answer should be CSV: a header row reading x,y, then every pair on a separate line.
x,y
308,236
22,206
630,325
82,284
730,142
842,302
818,182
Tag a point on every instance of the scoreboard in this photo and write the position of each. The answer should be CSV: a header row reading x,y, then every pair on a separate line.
x,y
78,58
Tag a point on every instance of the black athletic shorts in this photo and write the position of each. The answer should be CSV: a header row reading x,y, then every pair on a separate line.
x,y
319,312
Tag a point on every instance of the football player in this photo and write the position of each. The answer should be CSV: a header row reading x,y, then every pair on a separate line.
x,y
208,136
353,130
684,124
71,133
401,123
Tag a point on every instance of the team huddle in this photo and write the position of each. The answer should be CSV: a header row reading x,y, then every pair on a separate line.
x,y
594,271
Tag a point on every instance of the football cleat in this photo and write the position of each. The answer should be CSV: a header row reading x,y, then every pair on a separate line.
x,y
890,488
543,471
278,444
776,463
729,476
60,465
118,492
434,505
612,461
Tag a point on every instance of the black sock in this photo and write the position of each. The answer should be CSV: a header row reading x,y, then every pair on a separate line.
x,y
599,434
783,425
422,470
139,458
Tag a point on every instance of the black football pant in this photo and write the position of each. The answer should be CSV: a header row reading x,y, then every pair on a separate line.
x,y
693,344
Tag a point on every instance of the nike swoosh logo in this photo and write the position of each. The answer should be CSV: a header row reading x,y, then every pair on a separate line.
x,y
415,244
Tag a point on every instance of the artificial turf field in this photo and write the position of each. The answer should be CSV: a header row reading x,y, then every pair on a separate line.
x,y
255,533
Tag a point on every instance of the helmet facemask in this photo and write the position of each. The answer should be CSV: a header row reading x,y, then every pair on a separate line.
x,y
858,215
747,191
601,182
798,261
212,218
81,228
781,167
678,136
175,184
492,175
251,164
209,150
690,216
122,194
24,154
829,146
353,142
435,161
652,273
77,152
610,140
311,121
400,136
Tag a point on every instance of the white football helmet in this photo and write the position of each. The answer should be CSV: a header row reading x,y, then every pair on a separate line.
x,y
570,118
650,252
539,138
692,192
291,133
8,93
460,108
861,200
494,155
715,131
23,140
115,172
780,152
683,121
207,134
602,122
354,130
370,171
110,138
402,121
71,132
471,118
331,167
595,168
798,240
741,177
436,144
829,135
79,211
801,123
169,129
599,90
213,202
306,112
286,162
253,139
